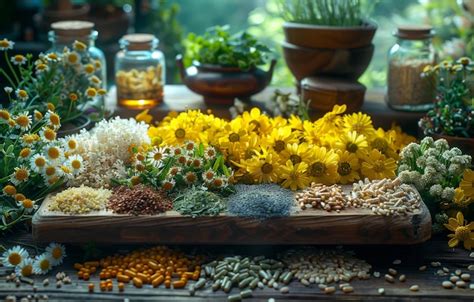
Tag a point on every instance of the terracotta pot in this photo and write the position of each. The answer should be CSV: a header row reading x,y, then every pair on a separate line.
x,y
464,143
111,24
349,63
323,93
222,85
75,126
332,37
49,15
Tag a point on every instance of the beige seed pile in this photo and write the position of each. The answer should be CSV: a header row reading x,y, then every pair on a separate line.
x,y
80,200
324,267
385,197
319,196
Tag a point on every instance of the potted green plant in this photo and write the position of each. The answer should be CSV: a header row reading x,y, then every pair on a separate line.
x,y
224,66
452,117
330,39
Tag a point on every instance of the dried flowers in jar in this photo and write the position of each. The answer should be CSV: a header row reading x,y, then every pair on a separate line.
x,y
139,72
407,89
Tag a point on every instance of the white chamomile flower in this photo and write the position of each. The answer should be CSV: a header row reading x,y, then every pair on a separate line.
x,y
21,94
72,58
6,44
8,89
208,176
42,264
168,184
52,57
23,121
76,163
27,204
41,68
54,154
57,252
18,59
14,256
25,268
20,175
48,135
210,153
53,119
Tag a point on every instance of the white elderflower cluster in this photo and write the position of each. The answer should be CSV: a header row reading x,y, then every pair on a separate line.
x,y
432,167
106,150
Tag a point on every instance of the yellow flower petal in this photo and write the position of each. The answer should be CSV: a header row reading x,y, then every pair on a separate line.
x,y
453,223
451,235
453,242
460,218
468,244
450,227
470,226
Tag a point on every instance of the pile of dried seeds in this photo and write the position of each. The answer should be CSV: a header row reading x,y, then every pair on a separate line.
x,y
319,196
385,196
80,200
139,200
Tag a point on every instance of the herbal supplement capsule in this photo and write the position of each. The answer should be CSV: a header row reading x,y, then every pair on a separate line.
x,y
414,288
392,271
288,277
381,291
137,282
227,286
245,282
284,290
329,290
254,283
91,287
123,278
199,284
216,285
157,281
263,274
246,293
347,289
389,278
234,298
447,284
121,287
179,284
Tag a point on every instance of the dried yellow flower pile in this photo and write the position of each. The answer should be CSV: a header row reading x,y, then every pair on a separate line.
x,y
80,200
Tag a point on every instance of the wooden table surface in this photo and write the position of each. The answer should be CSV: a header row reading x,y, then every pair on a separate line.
x,y
380,257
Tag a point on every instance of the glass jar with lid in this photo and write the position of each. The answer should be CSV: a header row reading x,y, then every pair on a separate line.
x,y
65,33
139,72
407,89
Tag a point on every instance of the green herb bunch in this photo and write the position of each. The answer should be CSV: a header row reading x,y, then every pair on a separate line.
x,y
176,168
219,47
453,112
323,12
195,202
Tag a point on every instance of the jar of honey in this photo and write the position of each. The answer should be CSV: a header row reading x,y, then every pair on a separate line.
x,y
139,72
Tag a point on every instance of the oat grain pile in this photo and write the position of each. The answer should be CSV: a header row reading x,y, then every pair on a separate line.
x,y
139,200
80,200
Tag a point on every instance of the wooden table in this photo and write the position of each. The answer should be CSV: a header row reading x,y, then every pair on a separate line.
x,y
179,98
380,257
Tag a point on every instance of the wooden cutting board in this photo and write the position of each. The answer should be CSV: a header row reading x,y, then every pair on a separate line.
x,y
350,226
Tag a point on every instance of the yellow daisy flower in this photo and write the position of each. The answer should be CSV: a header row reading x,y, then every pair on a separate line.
x,y
384,142
467,183
255,121
294,175
296,153
377,166
323,166
263,168
352,142
280,137
460,199
358,122
348,167
462,233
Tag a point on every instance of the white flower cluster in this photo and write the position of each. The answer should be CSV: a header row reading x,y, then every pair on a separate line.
x,y
106,150
433,167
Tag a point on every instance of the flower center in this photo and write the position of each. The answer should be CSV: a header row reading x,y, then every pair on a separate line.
x,y
379,166
157,156
21,174
279,146
27,203
76,164
180,133
317,169
23,121
168,186
27,270
295,159
44,264
50,171
14,258
256,125
380,144
53,152
25,152
57,253
217,182
267,168
234,137
344,169
54,119
190,177
49,134
351,147
462,233
72,144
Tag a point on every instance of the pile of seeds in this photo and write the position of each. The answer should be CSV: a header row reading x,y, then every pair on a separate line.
x,y
324,267
458,279
245,273
80,200
261,202
195,202
139,200
154,266
385,197
319,196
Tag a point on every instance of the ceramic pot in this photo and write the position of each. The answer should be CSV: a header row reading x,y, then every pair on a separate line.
x,y
75,126
331,37
349,63
222,85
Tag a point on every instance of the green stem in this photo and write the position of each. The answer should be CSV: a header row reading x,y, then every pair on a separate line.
x,y
11,68
8,78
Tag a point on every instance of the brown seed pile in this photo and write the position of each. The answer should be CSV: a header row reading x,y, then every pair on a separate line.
x,y
139,200
385,197
319,196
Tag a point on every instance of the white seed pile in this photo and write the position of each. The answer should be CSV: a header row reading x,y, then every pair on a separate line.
x,y
319,196
385,197
324,267
80,200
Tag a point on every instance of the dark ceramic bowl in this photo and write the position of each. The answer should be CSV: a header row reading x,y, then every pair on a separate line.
x,y
332,37
346,63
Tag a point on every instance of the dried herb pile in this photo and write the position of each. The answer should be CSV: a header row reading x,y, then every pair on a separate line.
x,y
195,203
139,200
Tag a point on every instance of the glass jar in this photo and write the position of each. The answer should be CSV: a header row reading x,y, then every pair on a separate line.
x,y
139,72
65,33
407,89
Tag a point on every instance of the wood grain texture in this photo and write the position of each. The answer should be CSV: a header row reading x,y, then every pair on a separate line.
x,y
350,226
